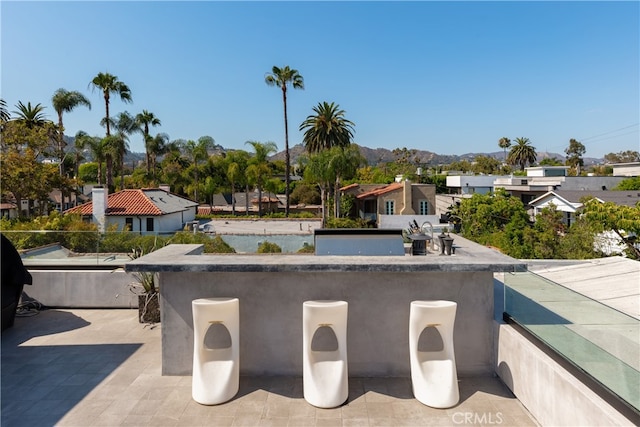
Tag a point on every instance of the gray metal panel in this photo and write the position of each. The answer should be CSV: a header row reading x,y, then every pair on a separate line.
x,y
384,244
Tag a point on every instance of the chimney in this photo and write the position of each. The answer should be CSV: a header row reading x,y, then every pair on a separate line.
x,y
406,199
165,187
100,203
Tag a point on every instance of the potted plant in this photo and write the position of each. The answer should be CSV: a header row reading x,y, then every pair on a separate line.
x,y
444,233
148,293
447,240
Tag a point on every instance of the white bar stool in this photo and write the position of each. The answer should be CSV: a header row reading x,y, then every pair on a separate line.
x,y
216,353
324,336
433,372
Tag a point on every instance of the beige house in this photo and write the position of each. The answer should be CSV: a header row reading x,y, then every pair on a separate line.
x,y
398,198
626,169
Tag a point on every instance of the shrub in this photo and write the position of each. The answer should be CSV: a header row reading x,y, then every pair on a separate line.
x,y
269,248
307,194
211,245
307,249
346,223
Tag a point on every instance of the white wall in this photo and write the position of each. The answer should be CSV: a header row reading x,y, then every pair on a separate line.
x,y
626,170
161,224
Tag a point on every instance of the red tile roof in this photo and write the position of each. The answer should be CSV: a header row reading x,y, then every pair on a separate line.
x,y
378,191
127,203
350,186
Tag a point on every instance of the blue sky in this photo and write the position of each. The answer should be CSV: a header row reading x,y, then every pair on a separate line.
x,y
448,77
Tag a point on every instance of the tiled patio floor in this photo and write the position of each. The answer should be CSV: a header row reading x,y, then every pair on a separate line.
x,y
102,368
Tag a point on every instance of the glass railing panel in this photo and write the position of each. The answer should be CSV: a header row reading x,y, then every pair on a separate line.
x,y
60,249
603,342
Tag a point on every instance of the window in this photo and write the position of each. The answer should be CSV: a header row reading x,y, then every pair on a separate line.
x,y
149,224
424,207
389,207
128,224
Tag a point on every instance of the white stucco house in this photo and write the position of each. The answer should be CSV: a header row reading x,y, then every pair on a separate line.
x,y
570,202
147,210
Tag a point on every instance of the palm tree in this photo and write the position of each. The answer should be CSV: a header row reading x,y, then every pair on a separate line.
x,y
327,128
156,146
344,162
125,125
197,151
504,143
4,113
522,153
30,116
318,170
146,119
65,101
98,148
108,84
282,77
258,172
236,163
82,141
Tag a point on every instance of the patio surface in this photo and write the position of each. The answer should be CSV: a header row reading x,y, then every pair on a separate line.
x,y
102,368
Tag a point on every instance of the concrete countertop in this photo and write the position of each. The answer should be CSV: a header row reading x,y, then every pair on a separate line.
x,y
469,257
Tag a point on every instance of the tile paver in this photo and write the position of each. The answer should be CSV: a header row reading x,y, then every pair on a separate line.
x,y
102,368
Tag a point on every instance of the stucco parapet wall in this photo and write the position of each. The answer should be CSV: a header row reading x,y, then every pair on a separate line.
x,y
469,257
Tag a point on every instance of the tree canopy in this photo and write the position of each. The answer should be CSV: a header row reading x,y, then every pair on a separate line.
x,y
624,221
574,153
326,128
522,153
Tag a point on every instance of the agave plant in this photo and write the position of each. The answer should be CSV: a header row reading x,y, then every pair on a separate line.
x,y
145,280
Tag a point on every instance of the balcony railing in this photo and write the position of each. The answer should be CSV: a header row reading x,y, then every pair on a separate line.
x,y
600,341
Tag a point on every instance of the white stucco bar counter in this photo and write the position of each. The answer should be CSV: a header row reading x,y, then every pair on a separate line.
x,y
379,289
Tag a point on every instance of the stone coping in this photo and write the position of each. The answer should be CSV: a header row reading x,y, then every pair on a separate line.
x,y
469,257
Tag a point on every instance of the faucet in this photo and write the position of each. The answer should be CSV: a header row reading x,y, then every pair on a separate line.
x,y
433,238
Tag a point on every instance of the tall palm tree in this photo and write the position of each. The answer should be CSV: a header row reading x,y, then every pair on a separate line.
x,y
125,125
146,119
326,128
109,84
65,101
504,143
258,172
198,151
522,153
282,77
30,116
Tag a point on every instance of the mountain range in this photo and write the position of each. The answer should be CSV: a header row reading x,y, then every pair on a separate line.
x,y
376,156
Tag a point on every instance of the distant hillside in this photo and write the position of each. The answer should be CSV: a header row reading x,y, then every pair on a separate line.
x,y
376,156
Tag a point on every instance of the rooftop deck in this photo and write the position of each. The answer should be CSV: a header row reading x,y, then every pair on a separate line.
x,y
101,367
